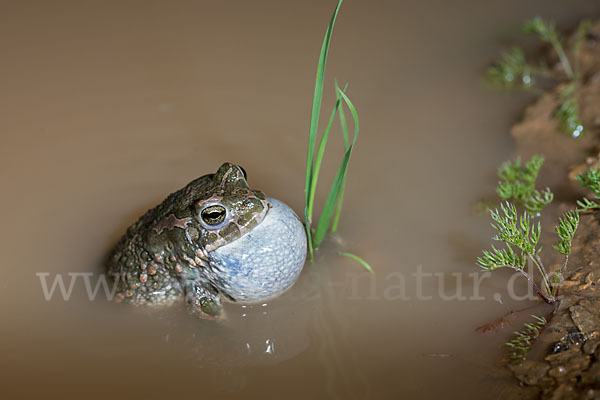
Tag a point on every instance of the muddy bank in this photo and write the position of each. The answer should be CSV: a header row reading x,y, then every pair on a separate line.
x,y
538,131
571,340
565,361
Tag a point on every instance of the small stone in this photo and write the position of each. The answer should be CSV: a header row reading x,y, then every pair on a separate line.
x,y
564,391
591,277
557,372
584,319
530,372
591,376
591,345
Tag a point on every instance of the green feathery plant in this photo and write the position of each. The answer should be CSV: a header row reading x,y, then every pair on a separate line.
x,y
512,70
547,32
330,214
523,340
568,112
521,233
518,184
590,180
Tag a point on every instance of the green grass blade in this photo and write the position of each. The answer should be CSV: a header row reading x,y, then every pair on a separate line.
x,y
325,218
314,124
344,126
358,259
319,159
338,207
343,123
332,198
353,112
316,106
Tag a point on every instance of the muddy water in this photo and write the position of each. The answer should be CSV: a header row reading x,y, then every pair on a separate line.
x,y
108,106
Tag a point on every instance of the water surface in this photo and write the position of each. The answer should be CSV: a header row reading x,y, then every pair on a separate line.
x,y
109,106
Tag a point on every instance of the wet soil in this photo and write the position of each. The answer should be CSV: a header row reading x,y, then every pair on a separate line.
x,y
565,361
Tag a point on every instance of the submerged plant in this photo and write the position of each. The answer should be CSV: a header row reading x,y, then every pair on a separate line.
x,y
518,184
513,71
330,214
523,340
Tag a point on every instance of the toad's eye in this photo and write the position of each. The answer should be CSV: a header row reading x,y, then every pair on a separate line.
x,y
243,172
213,215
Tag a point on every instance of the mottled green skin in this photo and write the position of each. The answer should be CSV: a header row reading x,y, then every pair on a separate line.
x,y
164,257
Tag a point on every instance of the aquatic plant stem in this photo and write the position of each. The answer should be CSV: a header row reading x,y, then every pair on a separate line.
x,y
314,125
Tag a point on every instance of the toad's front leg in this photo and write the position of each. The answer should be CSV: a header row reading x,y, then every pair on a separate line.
x,y
202,299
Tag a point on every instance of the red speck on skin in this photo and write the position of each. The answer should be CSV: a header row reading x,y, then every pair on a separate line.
x,y
152,269
128,293
143,278
158,259
178,268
